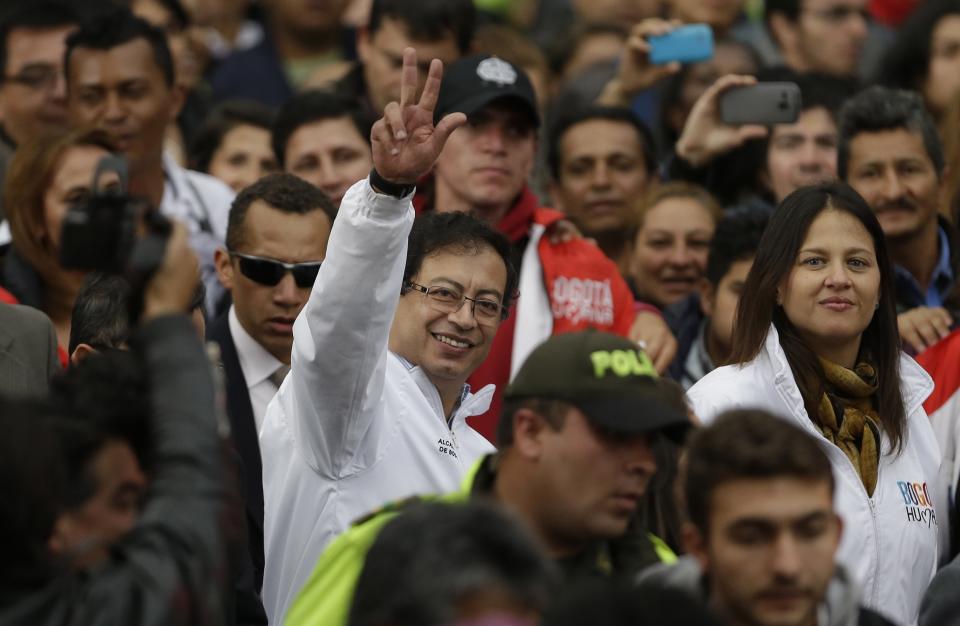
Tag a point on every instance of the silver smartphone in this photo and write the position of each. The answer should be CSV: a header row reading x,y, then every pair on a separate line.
x,y
763,103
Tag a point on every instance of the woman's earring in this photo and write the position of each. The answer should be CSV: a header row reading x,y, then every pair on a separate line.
x,y
876,306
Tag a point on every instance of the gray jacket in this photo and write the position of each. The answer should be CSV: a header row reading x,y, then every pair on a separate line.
x,y
941,602
841,606
28,351
174,566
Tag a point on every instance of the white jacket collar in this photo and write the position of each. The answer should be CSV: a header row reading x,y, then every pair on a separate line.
x,y
915,384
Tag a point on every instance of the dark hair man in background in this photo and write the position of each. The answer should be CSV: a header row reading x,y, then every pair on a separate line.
x,y
823,36
763,530
437,29
601,160
891,154
437,564
101,318
324,138
120,79
32,90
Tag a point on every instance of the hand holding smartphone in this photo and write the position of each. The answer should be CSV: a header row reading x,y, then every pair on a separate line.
x,y
685,44
763,103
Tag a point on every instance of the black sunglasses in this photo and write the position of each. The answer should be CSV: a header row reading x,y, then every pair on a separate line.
x,y
270,271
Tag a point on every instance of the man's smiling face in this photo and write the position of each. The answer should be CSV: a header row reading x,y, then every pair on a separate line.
x,y
448,347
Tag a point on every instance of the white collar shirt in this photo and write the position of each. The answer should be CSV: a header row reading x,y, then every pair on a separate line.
x,y
257,366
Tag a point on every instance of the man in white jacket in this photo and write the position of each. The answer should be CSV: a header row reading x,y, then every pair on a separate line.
x,y
374,408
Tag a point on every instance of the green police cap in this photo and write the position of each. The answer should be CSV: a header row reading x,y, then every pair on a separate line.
x,y
606,376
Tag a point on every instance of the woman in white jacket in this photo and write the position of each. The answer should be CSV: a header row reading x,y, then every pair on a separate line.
x,y
815,341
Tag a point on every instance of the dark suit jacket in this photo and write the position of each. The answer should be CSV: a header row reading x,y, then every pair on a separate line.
x,y
28,351
244,431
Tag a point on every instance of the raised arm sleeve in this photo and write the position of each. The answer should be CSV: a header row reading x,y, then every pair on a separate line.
x,y
331,398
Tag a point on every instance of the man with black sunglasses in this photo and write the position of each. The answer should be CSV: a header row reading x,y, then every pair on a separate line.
x,y
277,235
375,406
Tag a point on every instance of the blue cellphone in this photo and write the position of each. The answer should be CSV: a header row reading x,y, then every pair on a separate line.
x,y
686,44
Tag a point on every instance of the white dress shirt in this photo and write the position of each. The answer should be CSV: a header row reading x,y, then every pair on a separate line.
x,y
257,366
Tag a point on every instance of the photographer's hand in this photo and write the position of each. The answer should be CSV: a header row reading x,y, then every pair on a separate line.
x,y
405,142
172,286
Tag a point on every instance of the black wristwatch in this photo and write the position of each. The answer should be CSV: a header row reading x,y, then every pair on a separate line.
x,y
384,186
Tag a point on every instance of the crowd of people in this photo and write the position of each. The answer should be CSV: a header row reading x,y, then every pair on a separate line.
x,y
467,312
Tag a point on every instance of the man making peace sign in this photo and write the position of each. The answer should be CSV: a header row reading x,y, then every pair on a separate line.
x,y
374,408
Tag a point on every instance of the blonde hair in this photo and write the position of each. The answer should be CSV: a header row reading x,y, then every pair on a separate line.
x,y
29,176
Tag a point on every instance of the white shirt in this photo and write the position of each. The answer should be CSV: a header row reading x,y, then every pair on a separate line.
x,y
201,202
353,426
257,366
890,539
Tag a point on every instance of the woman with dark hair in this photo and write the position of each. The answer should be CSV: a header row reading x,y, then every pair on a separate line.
x,y
815,341
233,144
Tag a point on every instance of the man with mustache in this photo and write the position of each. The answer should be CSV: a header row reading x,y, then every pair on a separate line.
x,y
890,152
762,531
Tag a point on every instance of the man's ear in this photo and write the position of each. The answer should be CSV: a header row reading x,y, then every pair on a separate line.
x,y
221,260
708,297
529,428
59,541
363,44
178,96
695,544
82,351
783,32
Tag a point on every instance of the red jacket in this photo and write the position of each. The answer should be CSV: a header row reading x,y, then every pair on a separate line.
x,y
582,288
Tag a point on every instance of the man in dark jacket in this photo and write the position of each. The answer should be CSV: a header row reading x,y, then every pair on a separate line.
x,y
763,532
172,568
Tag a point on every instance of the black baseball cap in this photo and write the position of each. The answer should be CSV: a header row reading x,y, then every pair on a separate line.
x,y
473,82
607,377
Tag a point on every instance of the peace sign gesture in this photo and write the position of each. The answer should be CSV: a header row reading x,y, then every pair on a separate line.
x,y
405,142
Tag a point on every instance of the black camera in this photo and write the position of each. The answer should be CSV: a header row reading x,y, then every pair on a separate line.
x,y
99,231
113,232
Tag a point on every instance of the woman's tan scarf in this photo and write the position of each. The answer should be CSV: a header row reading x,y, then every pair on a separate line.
x,y
858,433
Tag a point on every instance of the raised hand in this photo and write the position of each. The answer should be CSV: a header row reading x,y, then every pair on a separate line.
x,y
405,142
705,136
635,72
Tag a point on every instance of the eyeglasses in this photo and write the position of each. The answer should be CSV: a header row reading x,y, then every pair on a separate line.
x,y
447,300
39,76
270,271
840,13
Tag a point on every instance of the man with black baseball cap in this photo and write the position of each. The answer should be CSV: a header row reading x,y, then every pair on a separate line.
x,y
483,170
574,461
